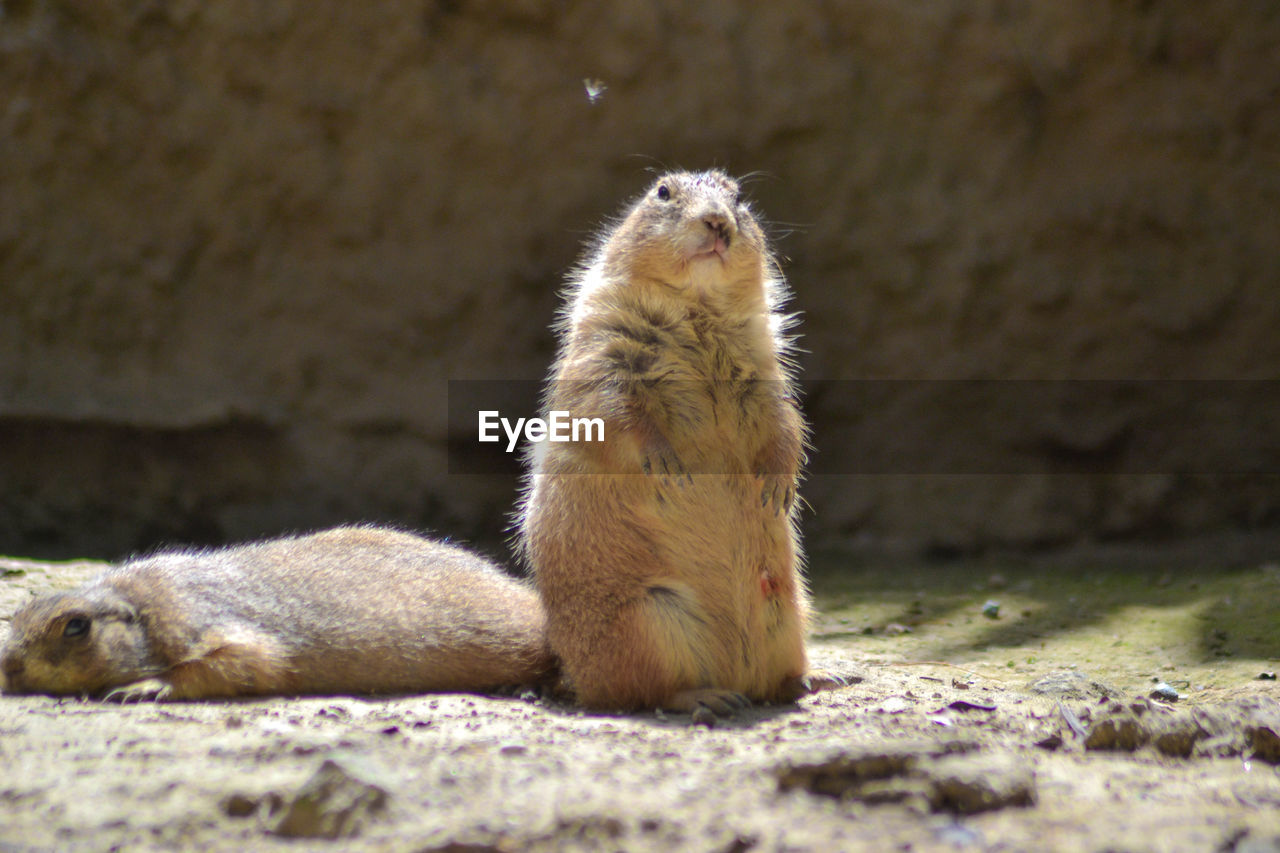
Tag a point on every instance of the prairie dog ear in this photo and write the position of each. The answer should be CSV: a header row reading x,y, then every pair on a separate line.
x,y
120,610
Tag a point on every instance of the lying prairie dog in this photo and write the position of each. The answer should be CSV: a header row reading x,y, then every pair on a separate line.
x,y
349,610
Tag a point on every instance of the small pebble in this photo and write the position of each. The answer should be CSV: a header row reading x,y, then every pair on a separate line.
x,y
1051,743
958,836
238,805
965,705
1165,693
1266,676
335,802
991,610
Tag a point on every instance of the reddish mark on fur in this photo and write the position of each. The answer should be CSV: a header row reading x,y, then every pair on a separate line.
x,y
769,585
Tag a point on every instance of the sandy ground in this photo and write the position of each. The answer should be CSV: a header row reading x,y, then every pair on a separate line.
x,y
917,754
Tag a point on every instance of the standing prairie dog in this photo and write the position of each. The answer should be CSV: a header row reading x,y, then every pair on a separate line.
x,y
348,610
667,555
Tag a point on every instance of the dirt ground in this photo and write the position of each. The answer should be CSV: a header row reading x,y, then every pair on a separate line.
x,y
1000,703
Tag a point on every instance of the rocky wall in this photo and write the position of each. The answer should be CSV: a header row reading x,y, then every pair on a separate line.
x,y
244,245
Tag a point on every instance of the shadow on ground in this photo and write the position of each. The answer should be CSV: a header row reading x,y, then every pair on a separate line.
x,y
1206,603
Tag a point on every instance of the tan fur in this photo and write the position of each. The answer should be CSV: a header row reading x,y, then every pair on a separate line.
x,y
668,556
349,610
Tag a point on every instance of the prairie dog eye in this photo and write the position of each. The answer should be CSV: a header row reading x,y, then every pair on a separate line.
x,y
664,194
77,626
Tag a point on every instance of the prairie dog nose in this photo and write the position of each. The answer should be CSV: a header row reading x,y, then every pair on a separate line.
x,y
11,666
720,224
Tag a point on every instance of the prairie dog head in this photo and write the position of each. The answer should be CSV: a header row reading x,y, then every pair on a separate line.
x,y
82,642
690,234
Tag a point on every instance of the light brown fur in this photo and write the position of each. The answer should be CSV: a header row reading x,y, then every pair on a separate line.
x,y
667,555
348,610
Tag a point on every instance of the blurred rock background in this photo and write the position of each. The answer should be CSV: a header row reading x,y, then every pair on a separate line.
x,y
244,245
